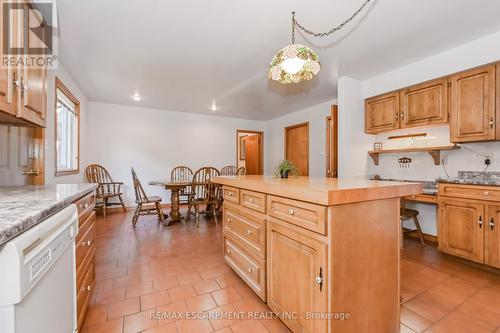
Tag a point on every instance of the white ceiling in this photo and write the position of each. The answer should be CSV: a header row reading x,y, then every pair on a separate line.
x,y
180,55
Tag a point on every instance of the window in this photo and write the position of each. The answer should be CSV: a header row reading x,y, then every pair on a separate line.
x,y
67,131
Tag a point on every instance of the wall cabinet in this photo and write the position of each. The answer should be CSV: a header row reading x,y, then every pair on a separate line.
x,y
424,104
469,217
6,96
382,113
301,286
472,101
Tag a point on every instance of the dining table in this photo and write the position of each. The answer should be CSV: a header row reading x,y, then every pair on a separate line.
x,y
175,188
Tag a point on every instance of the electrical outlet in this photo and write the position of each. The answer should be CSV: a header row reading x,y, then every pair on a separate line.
x,y
487,160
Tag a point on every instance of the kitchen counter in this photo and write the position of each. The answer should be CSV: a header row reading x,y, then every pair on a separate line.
x,y
324,191
22,207
474,178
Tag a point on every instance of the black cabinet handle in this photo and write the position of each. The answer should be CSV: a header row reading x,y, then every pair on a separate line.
x,y
492,224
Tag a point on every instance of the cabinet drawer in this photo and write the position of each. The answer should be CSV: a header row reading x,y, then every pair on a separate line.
x,y
303,214
253,200
231,194
248,266
84,226
85,205
84,246
247,227
84,293
470,191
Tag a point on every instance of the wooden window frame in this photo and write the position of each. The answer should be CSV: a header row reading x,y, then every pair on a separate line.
x,y
59,85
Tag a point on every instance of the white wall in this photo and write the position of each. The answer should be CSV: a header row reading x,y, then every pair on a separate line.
x,y
50,159
481,51
275,141
154,141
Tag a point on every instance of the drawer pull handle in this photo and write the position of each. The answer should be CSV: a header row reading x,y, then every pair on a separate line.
x,y
89,243
228,219
228,251
486,193
86,205
88,288
249,232
290,211
492,224
480,222
251,200
249,270
230,194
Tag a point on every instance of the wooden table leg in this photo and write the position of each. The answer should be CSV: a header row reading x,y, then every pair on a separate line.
x,y
174,206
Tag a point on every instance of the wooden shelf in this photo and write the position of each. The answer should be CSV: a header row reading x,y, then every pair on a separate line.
x,y
435,152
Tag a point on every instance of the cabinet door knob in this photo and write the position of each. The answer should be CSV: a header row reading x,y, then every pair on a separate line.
x,y
89,243
229,194
491,122
486,193
228,219
480,222
249,232
290,211
88,288
251,200
249,270
228,251
319,279
492,224
86,205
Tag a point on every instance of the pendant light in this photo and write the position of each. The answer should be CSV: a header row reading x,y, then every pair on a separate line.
x,y
297,63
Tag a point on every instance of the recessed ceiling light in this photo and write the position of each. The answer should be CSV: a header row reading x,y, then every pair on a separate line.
x,y
136,97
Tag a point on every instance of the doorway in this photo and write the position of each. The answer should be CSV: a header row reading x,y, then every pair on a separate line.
x,y
297,147
332,143
250,151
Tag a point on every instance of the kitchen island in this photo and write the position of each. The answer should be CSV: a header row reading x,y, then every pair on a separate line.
x,y
323,253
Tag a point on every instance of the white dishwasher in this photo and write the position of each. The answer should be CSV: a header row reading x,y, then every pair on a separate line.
x,y
37,277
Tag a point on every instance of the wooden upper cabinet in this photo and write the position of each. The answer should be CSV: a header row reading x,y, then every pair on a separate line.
x,y
382,113
472,109
492,237
425,104
461,228
33,97
6,91
297,276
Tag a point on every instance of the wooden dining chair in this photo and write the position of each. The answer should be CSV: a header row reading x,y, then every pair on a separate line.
x,y
406,214
106,188
241,171
145,205
229,170
182,174
204,192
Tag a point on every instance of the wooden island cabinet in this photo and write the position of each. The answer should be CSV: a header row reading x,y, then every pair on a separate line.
x,y
322,253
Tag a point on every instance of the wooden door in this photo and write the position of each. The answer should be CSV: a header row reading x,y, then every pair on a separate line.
x,y
382,113
492,237
21,153
472,112
296,258
425,104
332,143
252,152
461,228
6,91
297,147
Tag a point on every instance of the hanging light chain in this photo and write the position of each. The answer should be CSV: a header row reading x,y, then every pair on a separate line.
x,y
331,31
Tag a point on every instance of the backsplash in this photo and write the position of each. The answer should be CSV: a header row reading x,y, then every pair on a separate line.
x,y
469,157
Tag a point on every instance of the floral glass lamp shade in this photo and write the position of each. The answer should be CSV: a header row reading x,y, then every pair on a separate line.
x,y
294,63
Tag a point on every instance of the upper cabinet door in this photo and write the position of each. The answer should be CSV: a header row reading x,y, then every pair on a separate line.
x,y
382,113
6,87
33,96
472,109
425,104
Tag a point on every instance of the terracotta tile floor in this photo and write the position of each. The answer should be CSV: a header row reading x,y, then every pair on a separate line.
x,y
180,270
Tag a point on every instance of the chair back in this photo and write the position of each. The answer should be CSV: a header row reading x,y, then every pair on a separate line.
x,y
241,171
202,188
181,174
140,195
229,170
96,173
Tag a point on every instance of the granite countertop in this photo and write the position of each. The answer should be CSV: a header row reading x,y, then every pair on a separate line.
x,y
474,178
22,207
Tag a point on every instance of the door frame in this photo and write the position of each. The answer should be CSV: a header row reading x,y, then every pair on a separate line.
x,y
306,124
261,146
332,162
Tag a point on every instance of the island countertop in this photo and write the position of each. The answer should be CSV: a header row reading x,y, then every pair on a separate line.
x,y
22,207
322,190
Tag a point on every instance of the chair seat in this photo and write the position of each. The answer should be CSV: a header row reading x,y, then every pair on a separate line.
x,y
151,199
408,213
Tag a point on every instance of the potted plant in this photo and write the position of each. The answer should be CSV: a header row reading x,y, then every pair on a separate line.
x,y
285,168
